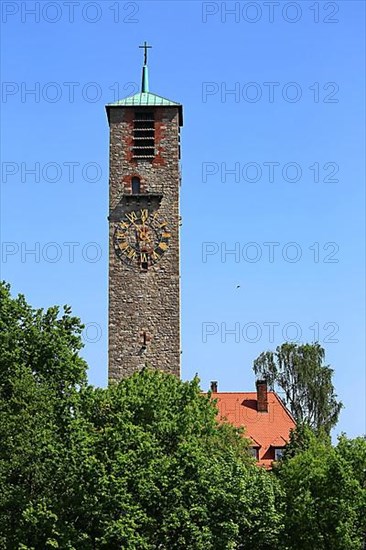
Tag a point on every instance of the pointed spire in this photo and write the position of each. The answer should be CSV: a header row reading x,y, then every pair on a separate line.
x,y
145,71
145,79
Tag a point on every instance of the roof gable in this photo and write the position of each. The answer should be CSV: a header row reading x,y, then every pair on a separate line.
x,y
265,429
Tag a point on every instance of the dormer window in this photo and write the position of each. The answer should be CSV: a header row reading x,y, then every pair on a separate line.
x,y
136,185
253,451
278,452
144,135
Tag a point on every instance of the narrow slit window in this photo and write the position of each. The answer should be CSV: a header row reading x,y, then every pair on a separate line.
x,y
144,135
136,186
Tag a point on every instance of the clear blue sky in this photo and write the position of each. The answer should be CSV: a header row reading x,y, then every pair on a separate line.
x,y
298,172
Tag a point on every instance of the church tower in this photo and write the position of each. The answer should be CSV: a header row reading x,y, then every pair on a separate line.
x,y
144,181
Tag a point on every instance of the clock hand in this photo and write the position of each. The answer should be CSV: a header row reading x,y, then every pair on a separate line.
x,y
135,224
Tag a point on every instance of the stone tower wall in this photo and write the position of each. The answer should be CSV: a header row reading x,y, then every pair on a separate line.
x,y
144,301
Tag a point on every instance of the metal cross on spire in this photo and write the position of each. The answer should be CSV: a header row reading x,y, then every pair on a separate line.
x,y
146,47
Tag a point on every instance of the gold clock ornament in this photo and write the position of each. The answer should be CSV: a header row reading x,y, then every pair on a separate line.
x,y
141,238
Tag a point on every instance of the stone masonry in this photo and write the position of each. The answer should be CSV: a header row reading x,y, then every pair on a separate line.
x,y
144,302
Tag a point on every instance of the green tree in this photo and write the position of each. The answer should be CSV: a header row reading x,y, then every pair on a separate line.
x,y
143,464
41,434
45,342
301,438
298,371
354,452
176,478
325,502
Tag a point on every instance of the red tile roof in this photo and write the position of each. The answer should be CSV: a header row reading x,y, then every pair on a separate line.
x,y
267,430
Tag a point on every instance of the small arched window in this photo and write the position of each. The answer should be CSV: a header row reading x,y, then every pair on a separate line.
x,y
136,186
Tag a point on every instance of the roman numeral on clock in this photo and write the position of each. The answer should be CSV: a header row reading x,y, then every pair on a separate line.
x,y
131,253
144,215
131,216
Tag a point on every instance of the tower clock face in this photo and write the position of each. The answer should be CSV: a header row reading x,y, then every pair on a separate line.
x,y
141,238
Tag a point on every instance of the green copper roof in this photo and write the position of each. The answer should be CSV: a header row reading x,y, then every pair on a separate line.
x,y
144,99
